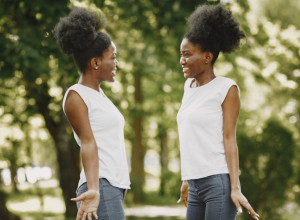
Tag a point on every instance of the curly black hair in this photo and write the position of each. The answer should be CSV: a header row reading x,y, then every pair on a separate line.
x,y
79,34
214,29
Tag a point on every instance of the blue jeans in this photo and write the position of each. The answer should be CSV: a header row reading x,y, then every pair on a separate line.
x,y
111,201
209,199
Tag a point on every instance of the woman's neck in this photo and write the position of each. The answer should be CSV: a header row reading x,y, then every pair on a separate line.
x,y
204,78
87,80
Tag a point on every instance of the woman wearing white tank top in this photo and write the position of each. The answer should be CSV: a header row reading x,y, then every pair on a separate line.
x,y
207,119
97,124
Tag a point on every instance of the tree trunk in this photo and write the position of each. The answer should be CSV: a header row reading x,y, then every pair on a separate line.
x,y
69,169
137,155
164,159
66,150
13,165
4,212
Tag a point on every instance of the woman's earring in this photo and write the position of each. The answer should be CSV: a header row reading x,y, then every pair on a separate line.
x,y
96,67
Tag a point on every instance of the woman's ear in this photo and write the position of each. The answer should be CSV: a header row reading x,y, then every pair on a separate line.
x,y
95,63
208,56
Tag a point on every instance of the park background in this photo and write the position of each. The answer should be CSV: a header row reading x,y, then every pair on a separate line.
x,y
39,159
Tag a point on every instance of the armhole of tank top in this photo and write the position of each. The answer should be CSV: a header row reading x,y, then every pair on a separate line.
x,y
66,97
64,100
226,90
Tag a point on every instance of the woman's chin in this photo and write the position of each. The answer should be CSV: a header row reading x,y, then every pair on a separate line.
x,y
186,75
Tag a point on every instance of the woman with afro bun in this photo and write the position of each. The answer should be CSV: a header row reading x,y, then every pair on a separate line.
x,y
97,124
207,119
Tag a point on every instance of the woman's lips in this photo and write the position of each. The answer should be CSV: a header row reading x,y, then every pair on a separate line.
x,y
184,69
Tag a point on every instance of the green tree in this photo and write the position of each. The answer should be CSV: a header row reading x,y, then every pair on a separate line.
x,y
5,214
286,81
266,168
29,56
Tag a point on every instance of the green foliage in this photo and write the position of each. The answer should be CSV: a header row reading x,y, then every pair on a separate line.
x,y
30,67
289,12
266,163
5,214
172,185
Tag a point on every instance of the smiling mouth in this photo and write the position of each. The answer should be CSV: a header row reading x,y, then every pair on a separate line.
x,y
184,69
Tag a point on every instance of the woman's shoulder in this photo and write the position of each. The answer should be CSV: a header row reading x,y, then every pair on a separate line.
x,y
225,80
81,89
75,86
224,84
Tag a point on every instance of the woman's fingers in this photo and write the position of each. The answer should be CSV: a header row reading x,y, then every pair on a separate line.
x,y
240,200
240,210
79,198
184,193
251,211
185,201
95,215
238,206
89,216
253,214
79,214
183,198
84,216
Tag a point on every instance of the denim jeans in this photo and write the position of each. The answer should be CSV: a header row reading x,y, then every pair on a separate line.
x,y
111,201
209,199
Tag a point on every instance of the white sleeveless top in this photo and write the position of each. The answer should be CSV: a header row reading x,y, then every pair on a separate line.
x,y
200,127
107,125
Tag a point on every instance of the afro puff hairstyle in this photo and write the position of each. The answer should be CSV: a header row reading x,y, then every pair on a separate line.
x,y
78,34
214,29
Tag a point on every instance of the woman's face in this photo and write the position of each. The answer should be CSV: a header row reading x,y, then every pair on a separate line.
x,y
109,64
192,59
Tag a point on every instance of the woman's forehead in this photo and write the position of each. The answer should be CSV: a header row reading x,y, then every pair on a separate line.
x,y
186,45
114,47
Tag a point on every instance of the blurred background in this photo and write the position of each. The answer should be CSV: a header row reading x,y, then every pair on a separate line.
x,y
39,159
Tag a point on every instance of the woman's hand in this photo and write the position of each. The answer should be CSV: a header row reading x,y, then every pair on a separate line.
x,y
239,199
89,204
184,191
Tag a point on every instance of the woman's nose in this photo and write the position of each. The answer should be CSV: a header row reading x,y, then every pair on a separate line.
x,y
182,60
